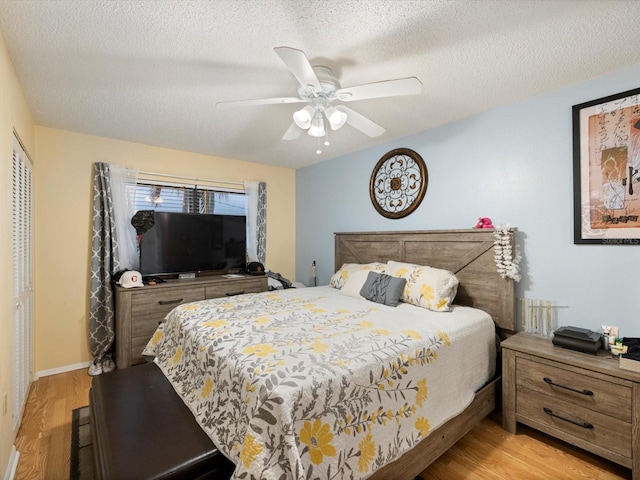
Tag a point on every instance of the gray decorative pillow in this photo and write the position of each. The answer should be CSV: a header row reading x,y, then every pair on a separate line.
x,y
382,288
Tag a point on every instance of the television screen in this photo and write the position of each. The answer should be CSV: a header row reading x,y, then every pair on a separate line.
x,y
188,242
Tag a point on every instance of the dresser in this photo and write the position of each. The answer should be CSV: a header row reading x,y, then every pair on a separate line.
x,y
139,311
586,400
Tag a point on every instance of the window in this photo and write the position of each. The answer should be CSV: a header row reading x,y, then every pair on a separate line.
x,y
164,197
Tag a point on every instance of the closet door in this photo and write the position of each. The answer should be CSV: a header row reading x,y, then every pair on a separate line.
x,y
22,279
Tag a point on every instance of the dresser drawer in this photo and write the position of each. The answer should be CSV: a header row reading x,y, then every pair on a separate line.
x,y
162,301
561,418
137,346
148,309
139,311
238,287
581,390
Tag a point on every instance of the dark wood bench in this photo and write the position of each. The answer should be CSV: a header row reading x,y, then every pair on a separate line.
x,y
141,430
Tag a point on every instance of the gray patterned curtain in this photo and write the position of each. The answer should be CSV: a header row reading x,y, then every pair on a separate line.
x,y
262,222
104,263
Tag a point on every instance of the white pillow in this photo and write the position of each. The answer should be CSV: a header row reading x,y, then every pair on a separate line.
x,y
427,287
354,283
338,278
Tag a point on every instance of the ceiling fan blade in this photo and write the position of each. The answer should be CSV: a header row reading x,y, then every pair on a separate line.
x,y
259,101
362,123
387,88
299,66
293,132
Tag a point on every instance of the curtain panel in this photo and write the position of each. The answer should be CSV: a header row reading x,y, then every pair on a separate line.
x,y
256,221
113,248
261,223
104,263
123,182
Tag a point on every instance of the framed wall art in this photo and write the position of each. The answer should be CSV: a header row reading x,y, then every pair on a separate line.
x,y
606,170
398,183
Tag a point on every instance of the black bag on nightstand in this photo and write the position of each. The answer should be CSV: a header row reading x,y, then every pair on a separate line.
x,y
576,338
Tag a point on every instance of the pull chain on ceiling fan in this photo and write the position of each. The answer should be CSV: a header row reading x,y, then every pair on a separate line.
x,y
319,89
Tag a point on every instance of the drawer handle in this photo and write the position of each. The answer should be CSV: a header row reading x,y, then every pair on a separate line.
x,y
232,294
170,302
581,392
549,412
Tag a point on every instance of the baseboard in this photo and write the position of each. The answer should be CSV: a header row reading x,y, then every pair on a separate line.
x,y
10,472
66,368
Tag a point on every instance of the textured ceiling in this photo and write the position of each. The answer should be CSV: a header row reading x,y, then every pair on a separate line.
x,y
152,71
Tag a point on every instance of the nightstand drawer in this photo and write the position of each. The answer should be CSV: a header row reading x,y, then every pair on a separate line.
x,y
584,391
562,419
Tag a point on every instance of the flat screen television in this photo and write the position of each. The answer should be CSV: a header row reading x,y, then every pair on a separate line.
x,y
192,243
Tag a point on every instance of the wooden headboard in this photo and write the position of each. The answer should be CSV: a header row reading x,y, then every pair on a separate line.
x,y
466,253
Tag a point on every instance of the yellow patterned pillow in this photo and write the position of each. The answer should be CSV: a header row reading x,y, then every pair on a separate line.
x,y
338,278
427,287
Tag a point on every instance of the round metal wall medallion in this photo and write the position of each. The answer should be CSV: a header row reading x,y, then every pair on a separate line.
x,y
398,183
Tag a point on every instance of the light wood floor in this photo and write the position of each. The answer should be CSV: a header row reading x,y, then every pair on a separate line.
x,y
44,438
487,452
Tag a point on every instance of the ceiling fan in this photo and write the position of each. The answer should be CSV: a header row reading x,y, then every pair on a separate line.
x,y
319,89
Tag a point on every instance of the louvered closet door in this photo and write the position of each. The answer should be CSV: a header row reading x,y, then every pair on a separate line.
x,y
22,276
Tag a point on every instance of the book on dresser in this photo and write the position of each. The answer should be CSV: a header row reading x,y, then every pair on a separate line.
x,y
630,359
628,363
139,311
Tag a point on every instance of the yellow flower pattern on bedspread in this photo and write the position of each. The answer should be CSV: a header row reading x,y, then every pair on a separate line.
x,y
291,385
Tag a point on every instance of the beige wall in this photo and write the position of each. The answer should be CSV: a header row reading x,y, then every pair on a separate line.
x,y
62,226
14,116
63,202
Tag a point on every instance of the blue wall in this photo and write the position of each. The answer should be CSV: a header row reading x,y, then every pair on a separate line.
x,y
512,164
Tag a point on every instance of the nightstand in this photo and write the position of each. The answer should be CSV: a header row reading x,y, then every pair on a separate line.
x,y
585,400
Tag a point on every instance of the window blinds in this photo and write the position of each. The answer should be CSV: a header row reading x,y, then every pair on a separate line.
x,y
165,197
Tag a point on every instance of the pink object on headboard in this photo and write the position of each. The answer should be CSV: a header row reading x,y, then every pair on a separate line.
x,y
484,222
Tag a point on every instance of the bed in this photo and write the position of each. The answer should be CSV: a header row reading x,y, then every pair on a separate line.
x,y
315,383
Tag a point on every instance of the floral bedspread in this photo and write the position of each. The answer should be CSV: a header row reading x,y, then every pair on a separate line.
x,y
312,384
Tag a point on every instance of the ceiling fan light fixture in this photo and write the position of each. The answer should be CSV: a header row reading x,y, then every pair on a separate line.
x,y
303,117
318,87
337,117
317,126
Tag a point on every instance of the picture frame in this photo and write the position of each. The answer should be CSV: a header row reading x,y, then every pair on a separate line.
x,y
606,170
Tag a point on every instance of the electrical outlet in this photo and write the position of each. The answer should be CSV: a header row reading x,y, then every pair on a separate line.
x,y
4,404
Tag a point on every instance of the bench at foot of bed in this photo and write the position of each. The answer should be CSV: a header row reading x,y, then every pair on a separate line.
x,y
142,430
